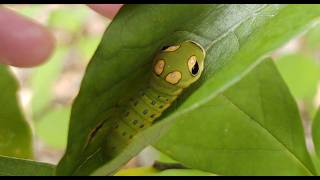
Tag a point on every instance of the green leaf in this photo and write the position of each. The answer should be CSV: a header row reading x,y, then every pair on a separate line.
x,y
253,128
316,134
312,38
43,79
68,18
52,128
15,132
87,45
20,167
234,37
301,73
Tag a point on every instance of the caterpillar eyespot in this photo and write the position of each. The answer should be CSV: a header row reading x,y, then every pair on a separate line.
x,y
171,48
193,65
174,68
159,67
164,48
195,69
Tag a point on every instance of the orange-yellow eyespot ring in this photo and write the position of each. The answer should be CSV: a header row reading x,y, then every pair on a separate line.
x,y
159,67
173,77
171,48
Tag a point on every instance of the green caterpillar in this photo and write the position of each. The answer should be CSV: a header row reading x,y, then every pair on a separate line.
x,y
174,69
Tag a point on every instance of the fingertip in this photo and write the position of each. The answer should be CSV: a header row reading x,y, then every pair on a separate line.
x,y
107,10
24,43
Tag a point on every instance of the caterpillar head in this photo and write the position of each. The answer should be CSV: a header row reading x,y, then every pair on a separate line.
x,y
180,64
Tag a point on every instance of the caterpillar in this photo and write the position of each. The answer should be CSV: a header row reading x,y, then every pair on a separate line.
x,y
175,68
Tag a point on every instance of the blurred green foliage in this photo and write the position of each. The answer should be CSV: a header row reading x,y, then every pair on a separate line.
x,y
301,70
69,23
73,43
33,12
15,131
312,37
87,46
53,127
43,80
69,19
302,74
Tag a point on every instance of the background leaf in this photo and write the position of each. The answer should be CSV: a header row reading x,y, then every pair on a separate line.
x,y
69,19
42,82
53,127
19,167
301,73
88,45
298,64
30,11
312,38
15,133
119,66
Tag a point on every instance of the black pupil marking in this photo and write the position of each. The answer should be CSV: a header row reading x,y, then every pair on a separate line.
x,y
145,111
164,48
195,69
160,106
153,115
142,126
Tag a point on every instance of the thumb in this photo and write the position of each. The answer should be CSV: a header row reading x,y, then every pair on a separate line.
x,y
23,42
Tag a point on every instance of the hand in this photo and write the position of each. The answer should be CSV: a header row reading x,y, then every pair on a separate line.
x,y
24,43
